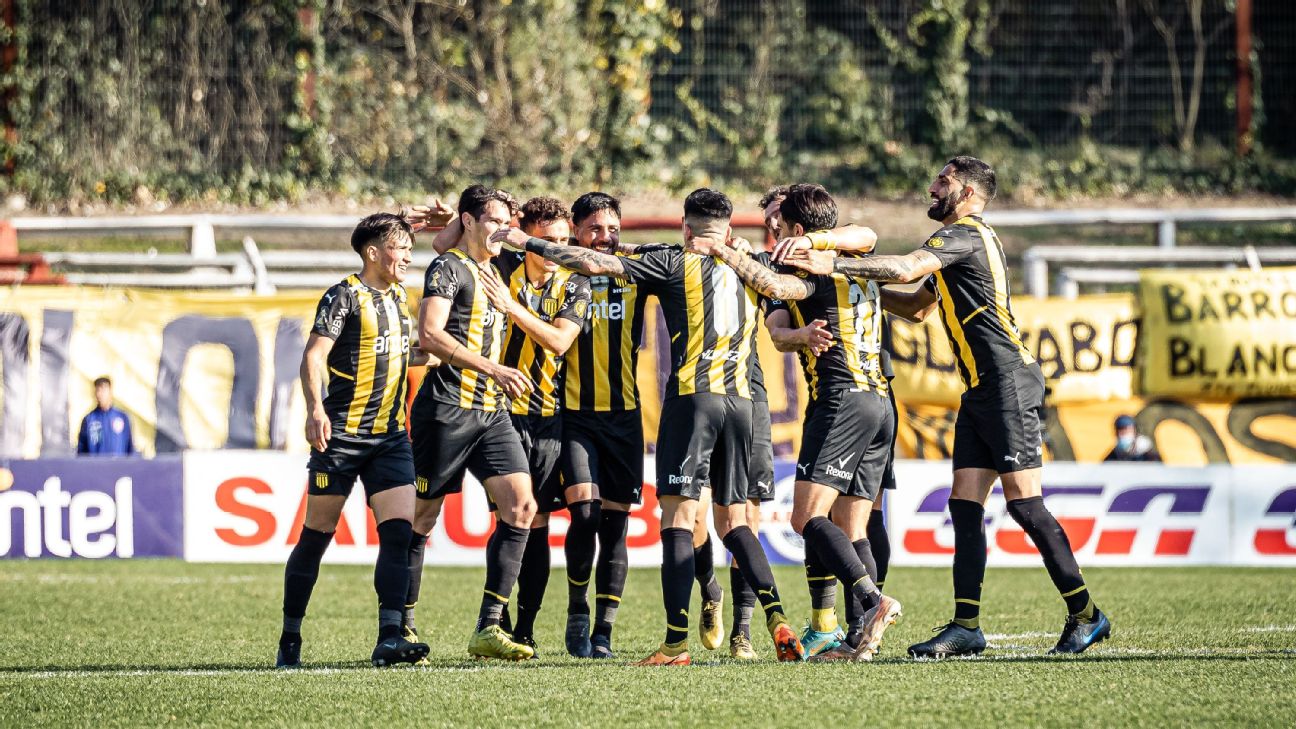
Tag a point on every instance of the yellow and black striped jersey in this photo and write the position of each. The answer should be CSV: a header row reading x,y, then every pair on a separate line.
x,y
711,316
601,366
370,356
852,308
566,295
975,304
474,322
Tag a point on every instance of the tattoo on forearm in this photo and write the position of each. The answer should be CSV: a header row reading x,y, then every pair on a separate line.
x,y
760,277
877,268
584,260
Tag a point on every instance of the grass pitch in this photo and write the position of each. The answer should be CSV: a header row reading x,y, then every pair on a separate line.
x,y
163,642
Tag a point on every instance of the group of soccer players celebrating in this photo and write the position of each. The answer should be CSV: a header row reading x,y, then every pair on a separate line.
x,y
530,323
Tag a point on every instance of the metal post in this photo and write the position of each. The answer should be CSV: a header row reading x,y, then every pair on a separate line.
x,y
1036,272
202,239
1166,230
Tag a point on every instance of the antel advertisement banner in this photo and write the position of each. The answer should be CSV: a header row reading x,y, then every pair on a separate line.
x,y
91,507
248,506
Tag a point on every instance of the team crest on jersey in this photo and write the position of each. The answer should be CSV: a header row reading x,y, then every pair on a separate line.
x,y
579,308
935,243
549,306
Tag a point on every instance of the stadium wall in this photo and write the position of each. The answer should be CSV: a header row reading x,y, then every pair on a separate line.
x,y
247,506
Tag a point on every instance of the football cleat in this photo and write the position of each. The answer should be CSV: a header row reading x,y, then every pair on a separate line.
x,y
289,655
661,657
876,620
710,629
842,652
398,650
493,642
820,641
410,633
786,643
601,647
529,642
951,639
740,647
577,637
1079,634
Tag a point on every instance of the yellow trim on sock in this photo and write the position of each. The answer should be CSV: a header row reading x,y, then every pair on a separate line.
x,y
969,623
1076,591
823,620
674,649
613,598
578,584
966,601
501,598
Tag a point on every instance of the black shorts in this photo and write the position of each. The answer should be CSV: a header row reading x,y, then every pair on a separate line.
x,y
541,437
846,442
760,467
888,475
706,442
381,461
449,440
606,449
1000,422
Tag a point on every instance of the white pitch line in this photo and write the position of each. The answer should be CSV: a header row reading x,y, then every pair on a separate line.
x,y
1271,629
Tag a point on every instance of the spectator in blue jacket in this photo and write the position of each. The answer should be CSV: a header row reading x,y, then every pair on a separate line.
x,y
106,430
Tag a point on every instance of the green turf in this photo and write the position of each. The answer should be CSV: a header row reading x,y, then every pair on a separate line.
x,y
163,642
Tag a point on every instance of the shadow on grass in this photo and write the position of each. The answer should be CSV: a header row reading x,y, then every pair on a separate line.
x,y
455,664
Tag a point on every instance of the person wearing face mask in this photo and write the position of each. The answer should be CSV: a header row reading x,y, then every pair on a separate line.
x,y
1132,445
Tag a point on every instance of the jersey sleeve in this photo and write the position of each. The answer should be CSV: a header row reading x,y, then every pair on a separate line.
x,y
332,312
508,262
444,278
950,245
575,305
655,267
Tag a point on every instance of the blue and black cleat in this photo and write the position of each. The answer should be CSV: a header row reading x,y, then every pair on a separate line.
x,y
951,639
1079,634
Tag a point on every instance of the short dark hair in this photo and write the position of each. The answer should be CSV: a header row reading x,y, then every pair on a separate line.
x,y
474,199
542,210
592,202
772,194
102,381
707,204
974,172
379,228
809,205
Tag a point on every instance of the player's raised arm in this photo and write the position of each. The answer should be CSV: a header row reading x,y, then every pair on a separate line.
x,y
845,239
755,274
891,269
576,258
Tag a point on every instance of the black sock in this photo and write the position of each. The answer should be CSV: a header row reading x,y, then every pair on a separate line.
x,y
744,599
503,562
532,581
969,560
677,581
579,550
704,571
1051,541
391,575
822,583
864,550
610,572
418,546
881,545
755,567
835,549
300,574
854,610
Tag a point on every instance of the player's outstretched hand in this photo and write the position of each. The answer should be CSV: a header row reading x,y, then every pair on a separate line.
x,y
812,261
496,291
513,239
318,429
817,337
422,217
515,383
789,246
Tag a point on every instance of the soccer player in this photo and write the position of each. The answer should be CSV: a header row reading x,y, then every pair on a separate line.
x,y
998,433
603,443
361,337
848,423
460,416
711,317
546,307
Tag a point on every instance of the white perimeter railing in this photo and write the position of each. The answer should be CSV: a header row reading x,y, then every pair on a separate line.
x,y
263,272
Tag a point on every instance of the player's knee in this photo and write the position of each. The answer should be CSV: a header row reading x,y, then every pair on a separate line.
x,y
521,513
799,520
